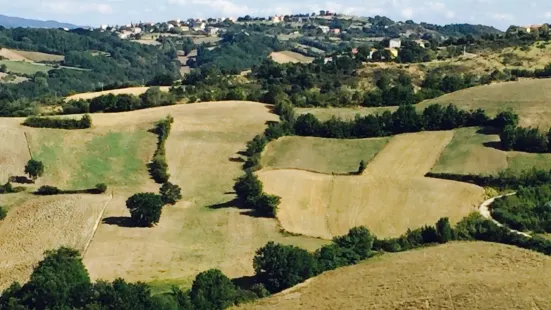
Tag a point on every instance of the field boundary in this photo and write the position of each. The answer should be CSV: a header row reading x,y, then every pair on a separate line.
x,y
28,144
96,225
485,212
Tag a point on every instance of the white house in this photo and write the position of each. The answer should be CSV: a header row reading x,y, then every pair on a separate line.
x,y
395,43
324,29
276,19
184,28
212,31
137,30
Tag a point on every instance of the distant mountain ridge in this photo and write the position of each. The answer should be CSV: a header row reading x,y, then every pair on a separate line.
x,y
13,22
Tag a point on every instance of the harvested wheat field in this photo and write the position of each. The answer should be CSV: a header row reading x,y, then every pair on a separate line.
x,y
391,196
12,55
205,230
14,153
45,223
39,57
129,91
290,57
319,154
467,276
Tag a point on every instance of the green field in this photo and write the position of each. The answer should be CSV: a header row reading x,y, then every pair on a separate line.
x,y
23,67
321,155
472,152
81,159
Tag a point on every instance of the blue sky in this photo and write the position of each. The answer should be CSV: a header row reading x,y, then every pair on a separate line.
x,y
498,13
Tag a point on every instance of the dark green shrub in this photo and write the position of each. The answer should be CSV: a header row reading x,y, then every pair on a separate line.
x,y
3,213
145,208
47,190
212,290
34,168
171,193
61,123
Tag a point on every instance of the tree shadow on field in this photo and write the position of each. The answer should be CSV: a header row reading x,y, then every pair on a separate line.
x,y
237,160
121,221
495,145
236,204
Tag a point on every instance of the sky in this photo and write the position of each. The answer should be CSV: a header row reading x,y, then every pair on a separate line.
x,y
497,13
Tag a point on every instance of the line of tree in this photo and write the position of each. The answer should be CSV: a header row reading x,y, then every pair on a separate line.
x,y
153,97
528,210
60,123
47,190
158,168
507,179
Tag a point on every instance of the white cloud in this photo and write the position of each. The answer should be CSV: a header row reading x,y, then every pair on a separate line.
x,y
225,7
547,15
73,7
407,12
502,16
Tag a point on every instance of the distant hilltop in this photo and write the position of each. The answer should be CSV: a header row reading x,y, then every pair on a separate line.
x,y
13,22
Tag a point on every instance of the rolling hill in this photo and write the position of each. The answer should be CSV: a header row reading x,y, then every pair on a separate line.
x,y
452,276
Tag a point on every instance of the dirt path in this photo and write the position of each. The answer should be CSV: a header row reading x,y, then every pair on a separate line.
x,y
485,211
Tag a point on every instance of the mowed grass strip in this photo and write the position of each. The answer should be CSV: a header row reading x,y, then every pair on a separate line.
x,y
453,276
473,152
320,154
81,159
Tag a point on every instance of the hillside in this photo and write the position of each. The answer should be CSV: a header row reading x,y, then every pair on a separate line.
x,y
14,22
466,276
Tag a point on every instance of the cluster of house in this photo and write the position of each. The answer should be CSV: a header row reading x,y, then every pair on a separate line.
x,y
196,25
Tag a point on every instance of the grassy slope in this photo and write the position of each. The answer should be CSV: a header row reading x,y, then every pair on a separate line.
x,y
205,230
453,276
25,67
320,155
471,152
130,90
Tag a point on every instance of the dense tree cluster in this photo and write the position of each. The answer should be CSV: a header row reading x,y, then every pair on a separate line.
x,y
158,168
153,97
528,210
102,57
61,123
525,139
237,52
47,190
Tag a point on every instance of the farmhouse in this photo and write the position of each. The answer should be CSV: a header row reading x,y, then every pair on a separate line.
x,y
395,43
324,29
335,31
212,31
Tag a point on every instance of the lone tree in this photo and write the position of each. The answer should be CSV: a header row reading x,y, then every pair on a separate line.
x,y
34,169
171,193
145,208
362,167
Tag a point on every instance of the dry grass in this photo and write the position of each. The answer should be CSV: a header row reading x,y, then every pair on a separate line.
x,y
40,57
16,79
390,197
44,223
288,56
12,55
204,230
130,91
14,153
320,155
457,276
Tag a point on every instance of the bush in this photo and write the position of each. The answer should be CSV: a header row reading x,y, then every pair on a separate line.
x,y
212,290
3,213
99,189
170,193
145,208
47,190
249,191
34,169
61,123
